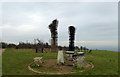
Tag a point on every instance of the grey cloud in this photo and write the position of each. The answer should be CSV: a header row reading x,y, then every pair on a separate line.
x,y
94,21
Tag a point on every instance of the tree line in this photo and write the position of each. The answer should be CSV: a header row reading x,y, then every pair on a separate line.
x,y
23,45
38,45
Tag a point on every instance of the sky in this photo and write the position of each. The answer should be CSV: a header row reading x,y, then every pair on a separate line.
x,y
96,23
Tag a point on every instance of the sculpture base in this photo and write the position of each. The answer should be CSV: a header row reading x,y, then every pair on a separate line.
x,y
54,49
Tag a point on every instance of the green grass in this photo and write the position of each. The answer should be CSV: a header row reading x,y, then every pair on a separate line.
x,y
0,65
105,62
15,62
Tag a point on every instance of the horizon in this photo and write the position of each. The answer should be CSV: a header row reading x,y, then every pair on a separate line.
x,y
66,46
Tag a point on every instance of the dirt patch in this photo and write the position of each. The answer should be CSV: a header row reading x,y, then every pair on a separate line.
x,y
61,68
50,67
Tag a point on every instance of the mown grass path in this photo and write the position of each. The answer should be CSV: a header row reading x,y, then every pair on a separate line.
x,y
15,62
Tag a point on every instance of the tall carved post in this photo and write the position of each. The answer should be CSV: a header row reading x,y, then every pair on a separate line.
x,y
71,38
54,35
70,53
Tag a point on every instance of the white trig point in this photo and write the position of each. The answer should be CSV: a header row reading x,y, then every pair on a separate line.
x,y
38,61
60,57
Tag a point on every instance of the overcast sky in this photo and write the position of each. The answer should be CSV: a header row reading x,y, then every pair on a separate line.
x,y
96,23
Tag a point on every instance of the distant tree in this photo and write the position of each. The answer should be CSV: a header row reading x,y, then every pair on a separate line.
x,y
46,45
60,47
16,46
81,48
90,51
76,47
3,44
23,45
84,48
71,38
40,45
11,46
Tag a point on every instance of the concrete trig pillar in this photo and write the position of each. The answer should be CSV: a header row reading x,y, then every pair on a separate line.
x,y
60,57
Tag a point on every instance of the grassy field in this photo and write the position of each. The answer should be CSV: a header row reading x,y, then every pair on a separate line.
x,y
0,64
15,62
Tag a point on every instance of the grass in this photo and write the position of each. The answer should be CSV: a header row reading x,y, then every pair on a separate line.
x,y
105,62
15,62
0,65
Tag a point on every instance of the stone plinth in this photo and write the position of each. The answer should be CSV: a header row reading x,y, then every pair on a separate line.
x,y
79,60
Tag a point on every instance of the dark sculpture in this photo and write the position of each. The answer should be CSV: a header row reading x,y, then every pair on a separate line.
x,y
81,48
53,29
71,38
